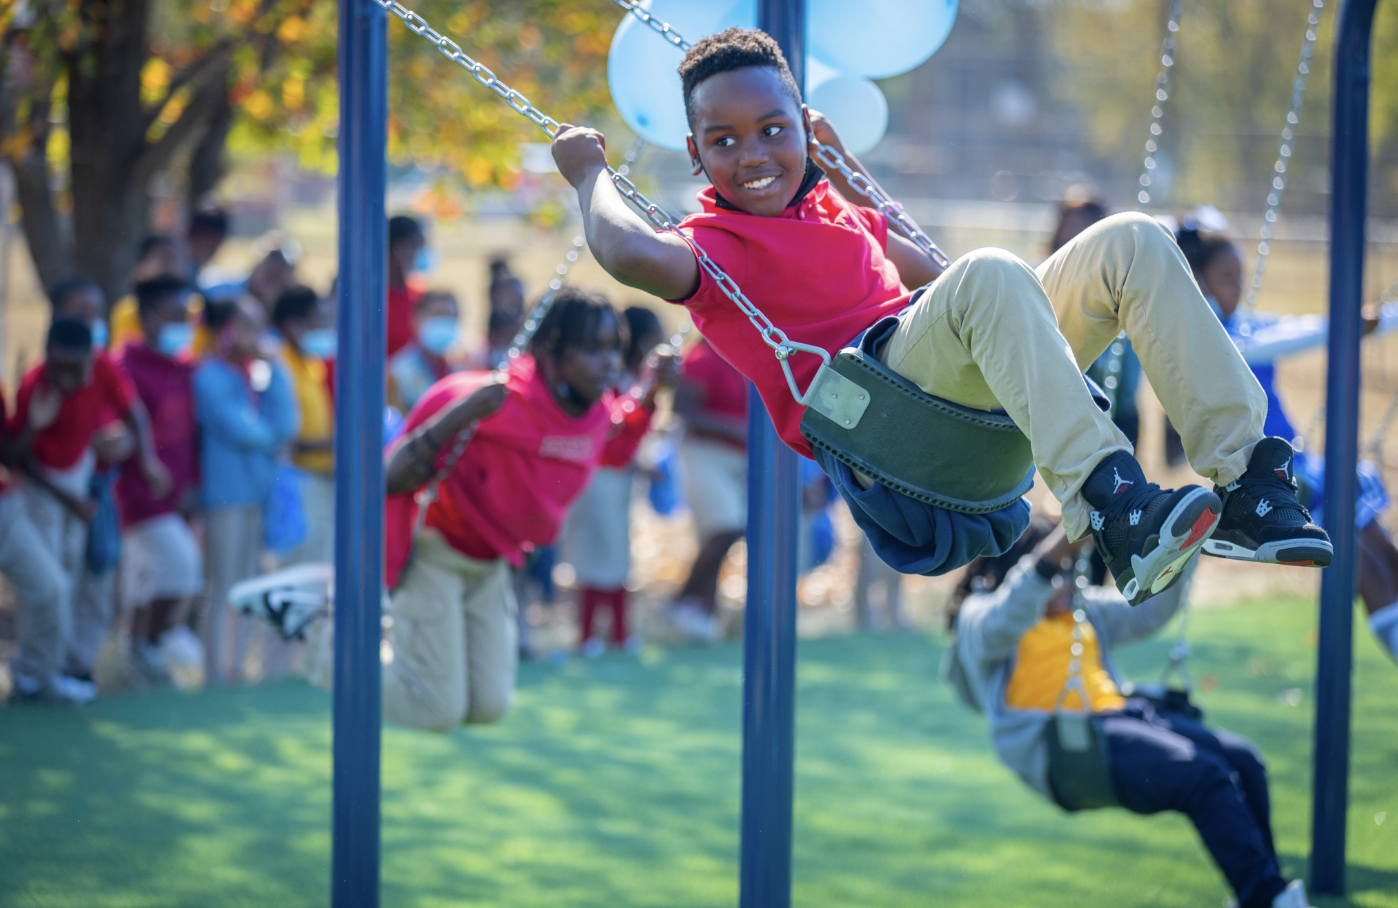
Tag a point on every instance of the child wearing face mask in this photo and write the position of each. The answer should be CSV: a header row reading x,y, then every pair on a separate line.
x,y
301,318
161,565
1263,338
536,435
426,359
246,409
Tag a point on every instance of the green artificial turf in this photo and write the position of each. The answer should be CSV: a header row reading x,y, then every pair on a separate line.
x,y
615,783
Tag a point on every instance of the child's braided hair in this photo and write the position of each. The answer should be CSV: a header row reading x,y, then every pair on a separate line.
x,y
573,321
730,49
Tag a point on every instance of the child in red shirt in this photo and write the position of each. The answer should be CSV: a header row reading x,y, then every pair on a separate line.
x,y
540,432
989,334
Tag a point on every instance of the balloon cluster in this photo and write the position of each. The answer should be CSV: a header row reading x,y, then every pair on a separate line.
x,y
849,44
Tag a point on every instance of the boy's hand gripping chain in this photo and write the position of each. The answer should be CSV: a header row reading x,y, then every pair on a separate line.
x,y
782,346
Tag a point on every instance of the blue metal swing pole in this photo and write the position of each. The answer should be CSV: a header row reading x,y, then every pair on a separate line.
x,y
769,631
1350,163
359,403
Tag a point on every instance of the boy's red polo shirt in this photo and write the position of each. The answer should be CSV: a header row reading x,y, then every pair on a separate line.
x,y
818,271
82,413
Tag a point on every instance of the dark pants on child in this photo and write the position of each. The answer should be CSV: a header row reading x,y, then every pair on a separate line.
x,y
592,599
1166,761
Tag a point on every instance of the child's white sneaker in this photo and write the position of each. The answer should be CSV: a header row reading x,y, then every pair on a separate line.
x,y
1293,896
289,599
695,623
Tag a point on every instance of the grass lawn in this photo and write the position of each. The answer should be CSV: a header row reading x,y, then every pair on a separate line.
x,y
615,783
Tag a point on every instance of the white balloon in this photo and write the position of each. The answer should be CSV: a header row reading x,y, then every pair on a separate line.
x,y
856,107
878,38
642,67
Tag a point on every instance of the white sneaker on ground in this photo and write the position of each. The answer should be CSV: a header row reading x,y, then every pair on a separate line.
x,y
695,622
1293,896
61,689
288,599
184,657
593,647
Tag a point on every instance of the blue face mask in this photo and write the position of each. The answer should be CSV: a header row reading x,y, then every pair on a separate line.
x,y
322,342
175,338
99,333
425,262
437,335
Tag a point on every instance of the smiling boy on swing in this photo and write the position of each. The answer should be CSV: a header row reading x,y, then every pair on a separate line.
x,y
990,333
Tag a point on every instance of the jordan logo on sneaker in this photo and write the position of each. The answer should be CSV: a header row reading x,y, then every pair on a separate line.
x,y
1121,485
1283,470
1263,508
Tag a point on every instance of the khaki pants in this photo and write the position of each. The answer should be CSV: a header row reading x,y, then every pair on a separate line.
x,y
992,333
44,590
453,646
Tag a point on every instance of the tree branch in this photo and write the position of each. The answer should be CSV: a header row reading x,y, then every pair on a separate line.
x,y
196,115
190,75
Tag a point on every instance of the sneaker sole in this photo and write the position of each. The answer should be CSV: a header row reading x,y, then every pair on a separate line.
x,y
250,597
1183,533
1300,553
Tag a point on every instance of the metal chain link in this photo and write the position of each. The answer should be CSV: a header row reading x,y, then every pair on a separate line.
x,y
1076,681
1288,136
782,346
824,153
1157,112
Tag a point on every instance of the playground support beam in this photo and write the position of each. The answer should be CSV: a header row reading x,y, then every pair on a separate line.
x,y
769,629
1350,164
359,403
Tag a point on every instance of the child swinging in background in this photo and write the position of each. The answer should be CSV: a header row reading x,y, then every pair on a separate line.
x,y
541,430
989,334
1263,338
596,539
1012,636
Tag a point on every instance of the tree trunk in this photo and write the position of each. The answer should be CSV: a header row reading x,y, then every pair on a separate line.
x,y
207,165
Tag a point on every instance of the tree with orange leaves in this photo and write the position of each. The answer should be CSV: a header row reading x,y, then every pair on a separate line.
x,y
99,97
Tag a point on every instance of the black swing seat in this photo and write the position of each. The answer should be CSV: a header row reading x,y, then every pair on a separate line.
x,y
883,425
1080,775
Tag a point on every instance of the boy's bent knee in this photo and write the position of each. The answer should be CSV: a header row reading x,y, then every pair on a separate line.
x,y
1141,230
489,709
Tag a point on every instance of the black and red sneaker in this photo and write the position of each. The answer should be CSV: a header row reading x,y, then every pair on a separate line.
x,y
1262,520
1146,534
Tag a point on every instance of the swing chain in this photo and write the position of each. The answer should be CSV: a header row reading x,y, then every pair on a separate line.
x,y
479,71
660,27
1162,94
772,336
1288,135
1076,681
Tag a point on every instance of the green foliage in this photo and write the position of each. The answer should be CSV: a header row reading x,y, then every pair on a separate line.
x,y
554,52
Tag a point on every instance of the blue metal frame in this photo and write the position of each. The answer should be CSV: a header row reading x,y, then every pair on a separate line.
x,y
359,496
769,631
1350,163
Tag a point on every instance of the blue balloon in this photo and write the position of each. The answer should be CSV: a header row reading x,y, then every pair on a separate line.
x,y
856,107
878,38
642,67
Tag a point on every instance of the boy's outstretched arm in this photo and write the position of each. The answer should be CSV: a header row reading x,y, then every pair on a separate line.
x,y
622,241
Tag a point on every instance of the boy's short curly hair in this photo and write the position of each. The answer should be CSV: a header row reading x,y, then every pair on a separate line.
x,y
730,49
